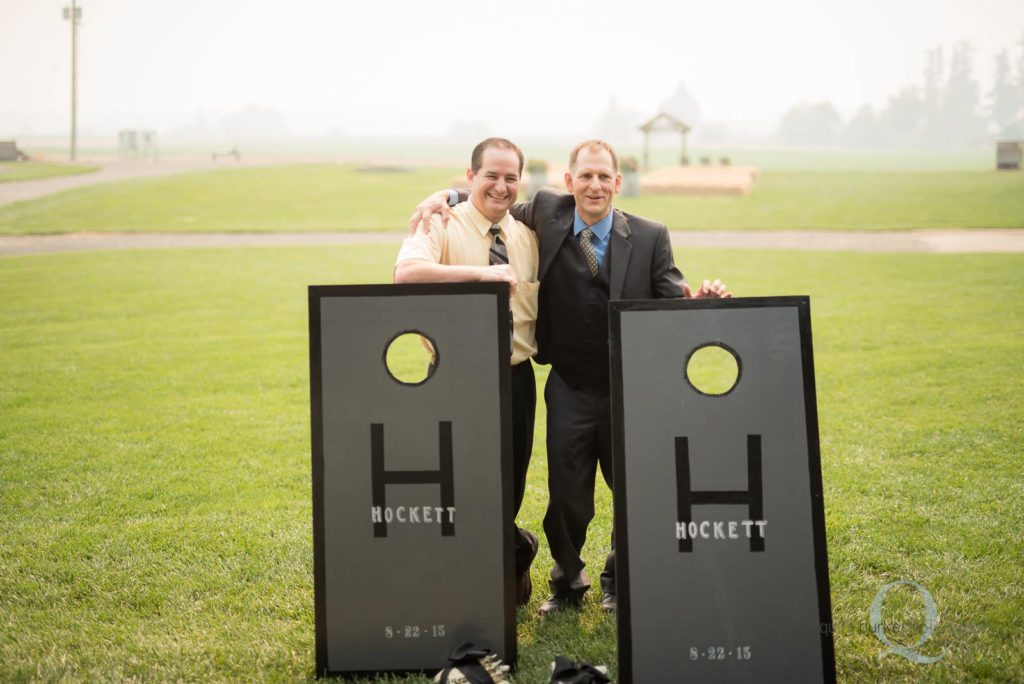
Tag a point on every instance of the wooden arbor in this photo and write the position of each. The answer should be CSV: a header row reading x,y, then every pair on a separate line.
x,y
662,122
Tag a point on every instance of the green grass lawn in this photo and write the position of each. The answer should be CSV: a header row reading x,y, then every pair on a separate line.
x,y
155,460
29,170
334,198
664,151
850,200
320,197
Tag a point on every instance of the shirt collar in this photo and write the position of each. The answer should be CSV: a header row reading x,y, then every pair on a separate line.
x,y
601,228
481,222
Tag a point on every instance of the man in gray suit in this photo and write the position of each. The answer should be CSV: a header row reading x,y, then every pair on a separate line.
x,y
589,255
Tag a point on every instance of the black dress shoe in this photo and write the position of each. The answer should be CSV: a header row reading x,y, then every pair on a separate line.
x,y
565,671
524,585
609,603
524,588
558,602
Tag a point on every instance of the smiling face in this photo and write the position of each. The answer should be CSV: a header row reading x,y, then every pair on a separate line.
x,y
593,180
495,186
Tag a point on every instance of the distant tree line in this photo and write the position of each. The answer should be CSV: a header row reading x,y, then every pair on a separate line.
x,y
947,108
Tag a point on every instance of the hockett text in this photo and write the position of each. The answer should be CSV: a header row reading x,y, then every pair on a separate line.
x,y
720,529
412,514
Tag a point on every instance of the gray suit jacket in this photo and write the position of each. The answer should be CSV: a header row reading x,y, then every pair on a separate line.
x,y
642,266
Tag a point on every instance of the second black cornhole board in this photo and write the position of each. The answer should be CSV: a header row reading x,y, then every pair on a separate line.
x,y
397,590
698,601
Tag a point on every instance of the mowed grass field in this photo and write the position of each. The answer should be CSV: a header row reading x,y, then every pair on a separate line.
x,y
315,197
30,170
327,197
155,487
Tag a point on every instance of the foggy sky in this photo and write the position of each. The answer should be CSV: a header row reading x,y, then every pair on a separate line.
x,y
527,68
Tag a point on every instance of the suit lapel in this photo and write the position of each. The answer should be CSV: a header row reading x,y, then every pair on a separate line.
x,y
552,238
619,248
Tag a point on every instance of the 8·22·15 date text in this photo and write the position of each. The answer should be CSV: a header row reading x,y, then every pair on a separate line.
x,y
719,653
413,631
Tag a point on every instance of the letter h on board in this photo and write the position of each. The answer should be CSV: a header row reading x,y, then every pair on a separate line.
x,y
753,497
444,476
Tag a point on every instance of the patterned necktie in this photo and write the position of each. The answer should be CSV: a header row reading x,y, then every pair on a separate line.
x,y
498,252
498,257
586,240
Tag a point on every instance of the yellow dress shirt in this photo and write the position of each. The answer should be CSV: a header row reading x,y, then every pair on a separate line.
x,y
465,241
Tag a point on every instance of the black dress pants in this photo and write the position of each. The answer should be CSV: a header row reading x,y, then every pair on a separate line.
x,y
579,441
524,412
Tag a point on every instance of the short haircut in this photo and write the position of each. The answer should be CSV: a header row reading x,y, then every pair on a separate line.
x,y
477,160
592,145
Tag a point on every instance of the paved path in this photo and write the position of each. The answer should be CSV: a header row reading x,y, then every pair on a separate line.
x,y
110,171
922,241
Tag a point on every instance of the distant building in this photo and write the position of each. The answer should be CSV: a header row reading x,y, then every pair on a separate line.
x,y
1009,155
9,151
137,145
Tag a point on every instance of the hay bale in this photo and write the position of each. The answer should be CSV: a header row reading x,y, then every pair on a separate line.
x,y
700,180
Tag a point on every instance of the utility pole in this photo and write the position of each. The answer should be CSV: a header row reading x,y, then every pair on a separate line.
x,y
74,14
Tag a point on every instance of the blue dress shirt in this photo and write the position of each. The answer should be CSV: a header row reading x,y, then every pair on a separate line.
x,y
602,230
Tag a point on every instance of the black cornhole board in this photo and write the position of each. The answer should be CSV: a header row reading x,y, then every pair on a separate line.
x,y
719,609
399,596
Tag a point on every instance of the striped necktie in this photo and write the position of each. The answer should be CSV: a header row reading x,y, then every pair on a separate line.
x,y
498,251
498,256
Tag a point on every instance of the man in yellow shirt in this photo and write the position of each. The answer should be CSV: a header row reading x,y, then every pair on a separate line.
x,y
482,242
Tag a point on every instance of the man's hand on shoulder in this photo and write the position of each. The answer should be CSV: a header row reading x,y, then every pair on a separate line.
x,y
437,203
708,290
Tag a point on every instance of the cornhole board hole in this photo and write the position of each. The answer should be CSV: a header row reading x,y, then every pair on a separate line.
x,y
719,519
412,534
